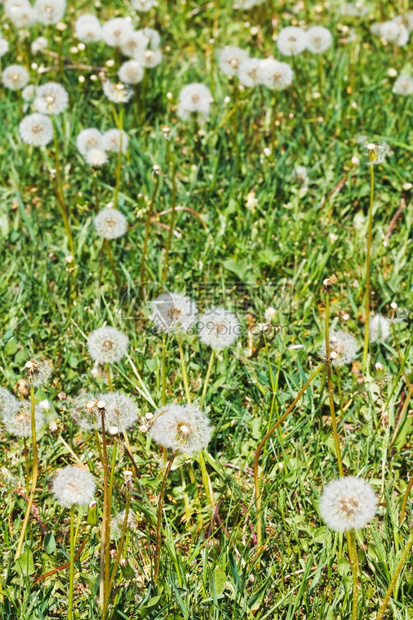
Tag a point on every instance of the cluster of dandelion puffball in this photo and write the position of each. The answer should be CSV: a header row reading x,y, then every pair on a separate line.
x,y
94,146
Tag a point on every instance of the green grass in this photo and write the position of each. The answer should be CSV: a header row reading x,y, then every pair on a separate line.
x,y
276,254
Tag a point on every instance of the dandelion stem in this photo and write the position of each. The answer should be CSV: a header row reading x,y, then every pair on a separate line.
x,y
351,540
263,442
173,212
396,574
206,481
406,497
146,240
59,191
183,365
163,369
112,262
119,164
368,262
207,378
119,552
330,388
109,377
159,518
109,505
104,542
34,475
72,563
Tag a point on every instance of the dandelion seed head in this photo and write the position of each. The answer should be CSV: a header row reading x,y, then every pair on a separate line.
x,y
121,411
144,5
36,129
114,140
301,175
403,85
73,486
29,92
379,328
153,38
292,41
20,12
117,521
219,328
85,411
118,93
249,72
88,139
38,371
376,152
50,11
88,28
135,44
51,98
348,503
185,428
116,31
244,5
319,39
131,72
343,348
4,47
194,100
392,32
15,77
39,45
173,312
96,157
110,223
107,345
16,415
274,74
149,58
230,59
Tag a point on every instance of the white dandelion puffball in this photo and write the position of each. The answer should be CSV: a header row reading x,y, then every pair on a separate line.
x,y
149,58
135,44
36,129
249,72
51,98
107,345
116,31
16,415
375,152
275,75
230,59
348,503
117,521
20,12
246,4
173,312
4,47
88,28
15,77
356,9
50,11
292,41
73,486
144,5
29,92
38,371
87,139
131,72
115,140
185,428
319,39
110,223
86,412
301,175
153,38
403,85
39,45
194,99
392,32
379,328
343,348
96,157
121,411
118,93
219,328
